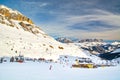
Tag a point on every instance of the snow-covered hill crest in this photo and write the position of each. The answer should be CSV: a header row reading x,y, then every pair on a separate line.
x,y
19,35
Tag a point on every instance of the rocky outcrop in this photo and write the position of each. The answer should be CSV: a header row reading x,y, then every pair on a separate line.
x,y
30,28
12,14
64,40
10,17
6,21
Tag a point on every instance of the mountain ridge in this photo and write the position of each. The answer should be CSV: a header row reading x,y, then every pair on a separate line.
x,y
13,14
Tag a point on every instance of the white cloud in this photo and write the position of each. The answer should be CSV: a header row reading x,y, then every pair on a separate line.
x,y
69,14
100,15
64,21
37,4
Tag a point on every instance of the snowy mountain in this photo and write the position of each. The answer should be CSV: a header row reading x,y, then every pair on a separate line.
x,y
20,36
73,40
64,40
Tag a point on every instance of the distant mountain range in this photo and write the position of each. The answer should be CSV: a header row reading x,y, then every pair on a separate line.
x,y
70,40
20,36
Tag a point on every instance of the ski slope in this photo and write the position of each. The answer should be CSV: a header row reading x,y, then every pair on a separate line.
x,y
41,71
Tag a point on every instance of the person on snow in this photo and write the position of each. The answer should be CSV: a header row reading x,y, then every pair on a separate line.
x,y
1,60
50,67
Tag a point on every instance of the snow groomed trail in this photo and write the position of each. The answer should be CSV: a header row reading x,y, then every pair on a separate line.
x,y
42,71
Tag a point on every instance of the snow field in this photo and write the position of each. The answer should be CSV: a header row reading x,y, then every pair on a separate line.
x,y
41,71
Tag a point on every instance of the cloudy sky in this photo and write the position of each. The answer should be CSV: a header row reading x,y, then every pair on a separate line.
x,y
73,18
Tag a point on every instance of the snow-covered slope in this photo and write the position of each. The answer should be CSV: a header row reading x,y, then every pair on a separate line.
x,y
18,35
41,71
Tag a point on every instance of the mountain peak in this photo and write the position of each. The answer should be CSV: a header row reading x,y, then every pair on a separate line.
x,y
13,18
13,14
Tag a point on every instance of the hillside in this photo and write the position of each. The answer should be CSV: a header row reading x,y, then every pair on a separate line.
x,y
20,36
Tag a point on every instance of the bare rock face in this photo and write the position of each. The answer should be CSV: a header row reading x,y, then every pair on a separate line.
x,y
10,17
31,28
12,14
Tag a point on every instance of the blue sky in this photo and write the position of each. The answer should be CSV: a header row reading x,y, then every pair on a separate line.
x,y
73,18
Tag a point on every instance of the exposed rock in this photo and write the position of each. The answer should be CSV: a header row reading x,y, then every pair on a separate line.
x,y
64,40
7,16
12,14
31,28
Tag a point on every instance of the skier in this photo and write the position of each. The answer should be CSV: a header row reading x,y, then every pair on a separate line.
x,y
50,67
